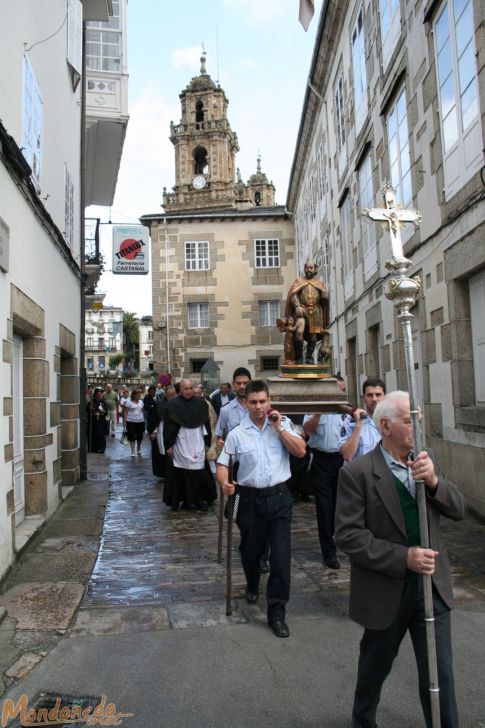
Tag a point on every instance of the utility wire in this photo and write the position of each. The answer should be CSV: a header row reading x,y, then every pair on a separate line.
x,y
39,42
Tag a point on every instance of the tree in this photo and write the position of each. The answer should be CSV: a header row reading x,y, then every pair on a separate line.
x,y
131,336
115,360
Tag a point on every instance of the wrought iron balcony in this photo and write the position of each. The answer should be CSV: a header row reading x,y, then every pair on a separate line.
x,y
94,261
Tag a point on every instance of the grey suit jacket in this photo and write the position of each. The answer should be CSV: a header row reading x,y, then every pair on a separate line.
x,y
369,527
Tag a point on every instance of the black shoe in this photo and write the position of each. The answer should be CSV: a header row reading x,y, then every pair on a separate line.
x,y
280,629
332,562
263,566
305,498
202,506
251,597
188,507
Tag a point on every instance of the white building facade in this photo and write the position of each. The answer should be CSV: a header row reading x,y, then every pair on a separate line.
x,y
145,344
104,340
396,93
40,258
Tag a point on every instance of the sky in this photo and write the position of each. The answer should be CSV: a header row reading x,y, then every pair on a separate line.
x,y
261,56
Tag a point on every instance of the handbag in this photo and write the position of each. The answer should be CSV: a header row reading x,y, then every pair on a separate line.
x,y
124,437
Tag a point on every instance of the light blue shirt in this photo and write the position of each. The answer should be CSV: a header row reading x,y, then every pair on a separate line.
x,y
369,435
263,459
327,435
230,416
401,471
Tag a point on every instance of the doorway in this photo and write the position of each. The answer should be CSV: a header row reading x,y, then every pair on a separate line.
x,y
18,429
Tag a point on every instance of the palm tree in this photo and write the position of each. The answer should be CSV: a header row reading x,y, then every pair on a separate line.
x,y
130,335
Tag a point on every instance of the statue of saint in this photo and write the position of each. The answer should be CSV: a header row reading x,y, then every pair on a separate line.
x,y
307,304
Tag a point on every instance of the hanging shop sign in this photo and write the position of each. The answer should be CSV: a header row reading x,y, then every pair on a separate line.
x,y
130,249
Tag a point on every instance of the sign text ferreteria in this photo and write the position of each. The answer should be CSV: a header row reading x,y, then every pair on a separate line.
x,y
130,249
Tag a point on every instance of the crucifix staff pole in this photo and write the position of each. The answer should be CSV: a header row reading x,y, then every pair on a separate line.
x,y
403,290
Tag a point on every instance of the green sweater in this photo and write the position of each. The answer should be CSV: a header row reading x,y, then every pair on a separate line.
x,y
411,518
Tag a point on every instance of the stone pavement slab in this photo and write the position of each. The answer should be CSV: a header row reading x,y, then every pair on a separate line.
x,y
46,606
108,620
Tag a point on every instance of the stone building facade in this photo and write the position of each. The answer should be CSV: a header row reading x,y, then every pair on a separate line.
x,y
396,93
222,253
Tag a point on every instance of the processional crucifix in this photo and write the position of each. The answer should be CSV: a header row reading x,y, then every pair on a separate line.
x,y
403,291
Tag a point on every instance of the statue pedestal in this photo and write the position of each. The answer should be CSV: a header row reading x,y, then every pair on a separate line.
x,y
309,395
305,371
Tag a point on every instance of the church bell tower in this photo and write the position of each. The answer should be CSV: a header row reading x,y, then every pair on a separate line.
x,y
205,149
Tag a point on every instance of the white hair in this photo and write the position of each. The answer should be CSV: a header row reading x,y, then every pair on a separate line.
x,y
390,407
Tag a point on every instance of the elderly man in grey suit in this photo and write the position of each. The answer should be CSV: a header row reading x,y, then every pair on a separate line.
x,y
377,526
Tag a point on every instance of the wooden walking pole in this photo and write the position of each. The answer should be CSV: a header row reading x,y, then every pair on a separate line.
x,y
221,527
403,290
230,507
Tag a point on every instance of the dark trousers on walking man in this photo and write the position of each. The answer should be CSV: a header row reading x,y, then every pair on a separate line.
x,y
324,474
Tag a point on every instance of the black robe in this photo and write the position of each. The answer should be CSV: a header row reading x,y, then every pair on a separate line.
x,y
95,426
152,419
189,486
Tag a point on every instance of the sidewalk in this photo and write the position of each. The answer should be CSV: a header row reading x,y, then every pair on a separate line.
x,y
142,619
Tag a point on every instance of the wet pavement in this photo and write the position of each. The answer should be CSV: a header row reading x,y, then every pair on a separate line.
x,y
150,555
119,594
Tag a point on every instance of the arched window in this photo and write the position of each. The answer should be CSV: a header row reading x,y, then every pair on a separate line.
x,y
200,161
199,111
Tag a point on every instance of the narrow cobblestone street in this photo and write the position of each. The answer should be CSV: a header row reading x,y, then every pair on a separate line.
x,y
143,621
153,557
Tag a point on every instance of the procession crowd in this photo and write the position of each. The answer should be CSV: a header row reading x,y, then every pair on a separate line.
x,y
362,473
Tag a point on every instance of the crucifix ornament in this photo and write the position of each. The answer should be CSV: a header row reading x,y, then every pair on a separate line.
x,y
394,217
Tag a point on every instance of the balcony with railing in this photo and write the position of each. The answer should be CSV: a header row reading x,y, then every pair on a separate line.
x,y
93,258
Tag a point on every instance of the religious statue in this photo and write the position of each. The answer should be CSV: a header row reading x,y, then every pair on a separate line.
x,y
307,304
288,327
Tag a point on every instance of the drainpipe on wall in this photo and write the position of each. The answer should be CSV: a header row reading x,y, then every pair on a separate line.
x,y
83,469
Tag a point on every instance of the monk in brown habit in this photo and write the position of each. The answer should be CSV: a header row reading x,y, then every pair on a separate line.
x,y
307,302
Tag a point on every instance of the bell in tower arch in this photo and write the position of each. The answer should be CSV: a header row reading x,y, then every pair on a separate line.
x,y
199,113
200,161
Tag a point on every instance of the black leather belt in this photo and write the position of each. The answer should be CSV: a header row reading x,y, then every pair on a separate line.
x,y
262,492
315,451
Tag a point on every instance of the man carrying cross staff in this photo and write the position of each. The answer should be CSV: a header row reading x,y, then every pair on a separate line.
x,y
389,504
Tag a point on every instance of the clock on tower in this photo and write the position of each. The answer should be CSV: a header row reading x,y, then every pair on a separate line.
x,y
199,182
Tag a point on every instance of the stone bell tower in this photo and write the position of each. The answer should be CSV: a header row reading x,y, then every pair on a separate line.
x,y
205,149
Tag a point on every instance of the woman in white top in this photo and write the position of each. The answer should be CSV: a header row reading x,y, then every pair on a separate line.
x,y
134,421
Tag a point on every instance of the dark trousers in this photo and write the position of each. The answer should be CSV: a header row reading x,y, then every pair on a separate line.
x,y
324,478
378,648
263,519
157,462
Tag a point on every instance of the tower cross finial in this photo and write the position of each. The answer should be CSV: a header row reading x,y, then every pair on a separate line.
x,y
203,60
